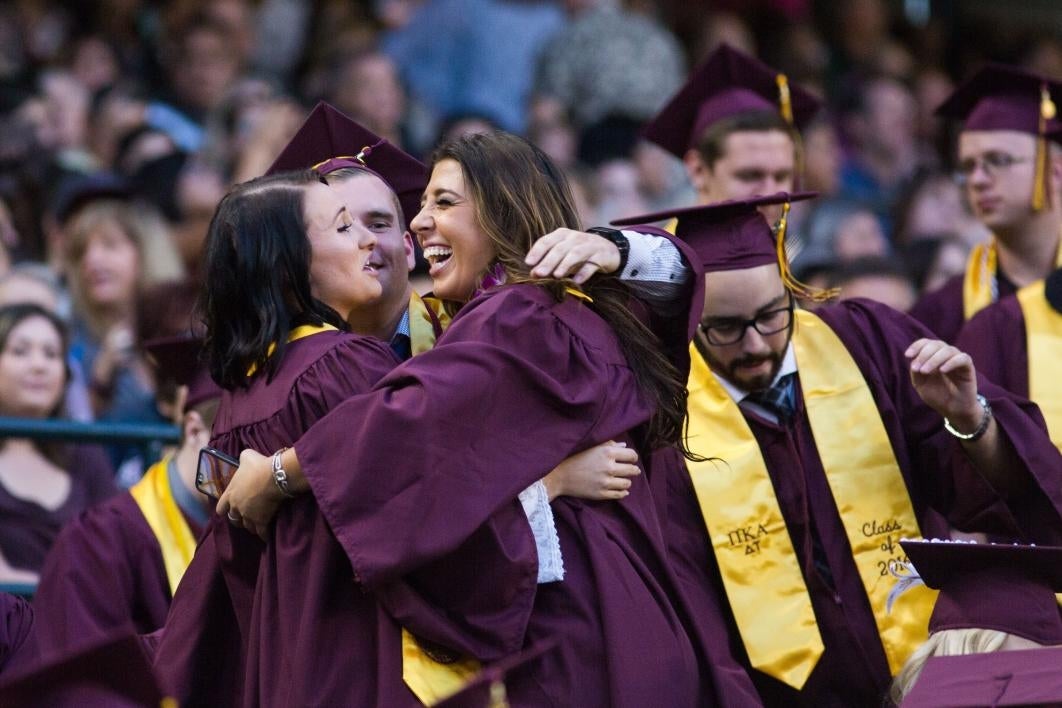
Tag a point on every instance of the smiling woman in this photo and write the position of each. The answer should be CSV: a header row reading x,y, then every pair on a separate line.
x,y
41,485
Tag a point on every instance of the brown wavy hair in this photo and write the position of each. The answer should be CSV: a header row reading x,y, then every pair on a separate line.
x,y
519,195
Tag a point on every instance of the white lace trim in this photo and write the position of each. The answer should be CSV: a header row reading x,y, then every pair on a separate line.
x,y
535,500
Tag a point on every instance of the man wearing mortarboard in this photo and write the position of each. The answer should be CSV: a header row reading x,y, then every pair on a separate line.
x,y
826,437
116,566
735,124
1011,165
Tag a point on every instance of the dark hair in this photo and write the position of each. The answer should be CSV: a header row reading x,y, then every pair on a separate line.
x,y
870,266
11,316
257,277
712,142
520,195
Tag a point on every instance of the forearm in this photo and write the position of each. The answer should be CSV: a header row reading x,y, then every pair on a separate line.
x,y
297,483
993,456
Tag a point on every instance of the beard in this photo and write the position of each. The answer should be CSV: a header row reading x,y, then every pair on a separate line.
x,y
736,371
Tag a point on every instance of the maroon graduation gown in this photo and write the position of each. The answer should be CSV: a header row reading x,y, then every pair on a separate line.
x,y
27,530
942,310
104,575
283,623
944,490
516,384
996,340
16,622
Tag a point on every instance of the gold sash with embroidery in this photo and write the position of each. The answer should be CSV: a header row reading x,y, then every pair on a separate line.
x,y
154,497
1043,340
760,570
979,279
427,321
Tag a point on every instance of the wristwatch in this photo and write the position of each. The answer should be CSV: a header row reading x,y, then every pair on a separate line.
x,y
616,237
976,435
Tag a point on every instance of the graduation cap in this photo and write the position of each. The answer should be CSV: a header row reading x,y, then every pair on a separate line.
x,y
78,191
179,359
1000,97
979,581
728,83
487,688
115,672
328,141
734,235
1004,678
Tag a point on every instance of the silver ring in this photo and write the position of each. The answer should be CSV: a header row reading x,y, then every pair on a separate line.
x,y
234,517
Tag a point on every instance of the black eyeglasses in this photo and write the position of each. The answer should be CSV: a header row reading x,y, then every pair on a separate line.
x,y
732,331
992,163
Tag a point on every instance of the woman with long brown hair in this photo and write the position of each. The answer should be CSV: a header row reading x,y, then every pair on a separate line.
x,y
529,372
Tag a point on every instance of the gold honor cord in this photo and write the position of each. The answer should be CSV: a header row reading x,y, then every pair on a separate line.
x,y
154,497
755,554
760,571
432,681
1043,339
424,314
980,277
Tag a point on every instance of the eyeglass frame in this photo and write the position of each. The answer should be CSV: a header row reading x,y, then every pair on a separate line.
x,y
745,323
992,162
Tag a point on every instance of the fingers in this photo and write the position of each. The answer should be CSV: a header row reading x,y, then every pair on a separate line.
x,y
623,454
586,272
942,359
223,504
614,484
621,469
543,246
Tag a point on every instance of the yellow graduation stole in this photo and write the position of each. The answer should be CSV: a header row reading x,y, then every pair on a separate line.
x,y
427,320
155,499
762,576
1043,340
296,334
979,280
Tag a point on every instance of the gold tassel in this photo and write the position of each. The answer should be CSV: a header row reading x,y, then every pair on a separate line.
x,y
785,101
1042,180
802,290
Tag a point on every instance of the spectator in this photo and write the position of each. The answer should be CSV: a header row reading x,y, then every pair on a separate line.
x,y
42,485
33,283
935,260
112,255
366,87
474,56
880,123
875,278
609,61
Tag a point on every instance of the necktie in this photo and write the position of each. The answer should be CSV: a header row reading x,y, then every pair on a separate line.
x,y
778,399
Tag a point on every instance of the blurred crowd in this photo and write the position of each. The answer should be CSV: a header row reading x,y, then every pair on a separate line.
x,y
123,122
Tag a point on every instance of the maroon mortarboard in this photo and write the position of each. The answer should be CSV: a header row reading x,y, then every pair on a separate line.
x,y
487,688
1009,588
1000,97
115,673
728,83
1030,677
730,235
328,141
179,359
